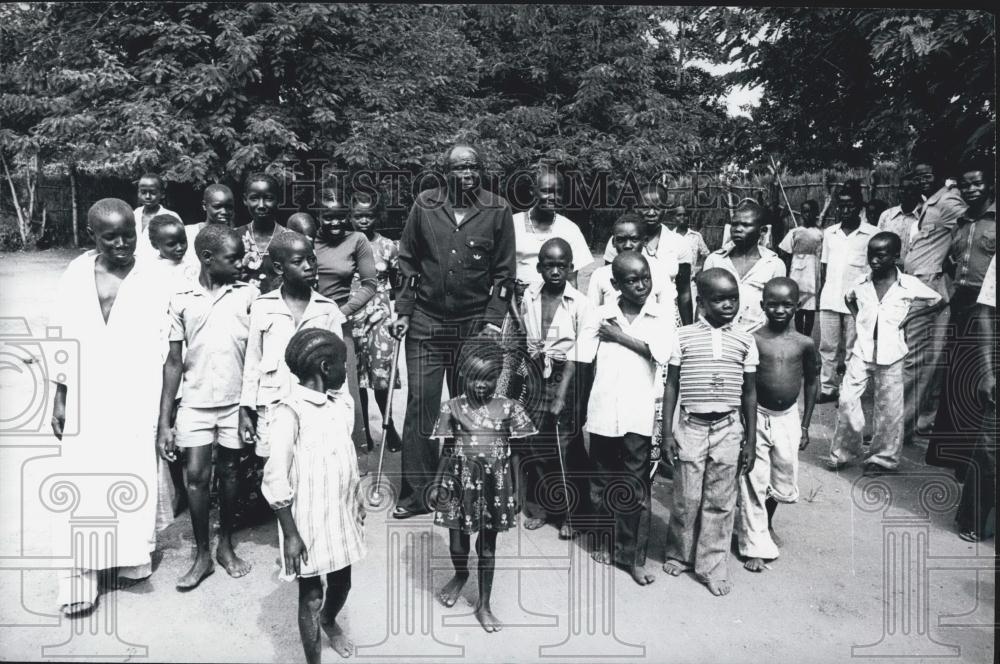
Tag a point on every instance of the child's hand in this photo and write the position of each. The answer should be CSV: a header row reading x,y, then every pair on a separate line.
x,y
166,444
246,429
557,405
609,331
58,421
804,440
669,447
295,549
748,456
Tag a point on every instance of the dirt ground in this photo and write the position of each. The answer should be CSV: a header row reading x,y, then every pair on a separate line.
x,y
869,569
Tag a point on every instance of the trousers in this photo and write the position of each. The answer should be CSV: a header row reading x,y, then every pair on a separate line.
x,y
887,441
837,333
620,491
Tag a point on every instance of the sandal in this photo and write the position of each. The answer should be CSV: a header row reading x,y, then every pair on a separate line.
x,y
970,536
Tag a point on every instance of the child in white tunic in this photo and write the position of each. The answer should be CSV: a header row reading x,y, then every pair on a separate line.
x,y
311,480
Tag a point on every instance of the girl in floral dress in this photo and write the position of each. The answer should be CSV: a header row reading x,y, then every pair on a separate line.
x,y
473,492
372,341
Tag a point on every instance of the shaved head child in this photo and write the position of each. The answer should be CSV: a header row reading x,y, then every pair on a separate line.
x,y
274,317
627,337
788,360
554,314
752,264
712,376
210,319
882,304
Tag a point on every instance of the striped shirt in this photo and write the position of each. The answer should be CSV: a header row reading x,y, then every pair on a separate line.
x,y
712,362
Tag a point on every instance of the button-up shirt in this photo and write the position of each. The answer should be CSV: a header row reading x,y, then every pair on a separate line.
x,y
625,388
903,224
214,326
879,338
769,266
973,247
932,241
266,377
460,267
846,259
529,239
558,342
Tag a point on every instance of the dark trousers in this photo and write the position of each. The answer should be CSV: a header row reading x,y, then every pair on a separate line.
x,y
979,494
620,491
960,412
432,348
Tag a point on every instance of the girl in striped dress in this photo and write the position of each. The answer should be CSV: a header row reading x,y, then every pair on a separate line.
x,y
311,480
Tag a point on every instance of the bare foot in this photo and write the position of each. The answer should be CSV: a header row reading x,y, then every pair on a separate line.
x,y
675,567
602,557
76,609
566,532
642,576
718,588
234,565
754,565
489,621
533,523
338,639
200,570
452,590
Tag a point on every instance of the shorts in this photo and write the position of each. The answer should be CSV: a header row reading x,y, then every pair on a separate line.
x,y
197,427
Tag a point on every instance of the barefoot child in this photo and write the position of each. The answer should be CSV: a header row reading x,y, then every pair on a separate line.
x,y
210,320
787,360
627,337
311,481
274,318
881,304
554,313
303,222
473,483
711,375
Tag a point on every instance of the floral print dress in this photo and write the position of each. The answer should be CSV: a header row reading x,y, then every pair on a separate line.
x,y
372,340
473,483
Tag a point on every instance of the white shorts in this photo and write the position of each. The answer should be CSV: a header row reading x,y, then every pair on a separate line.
x,y
197,427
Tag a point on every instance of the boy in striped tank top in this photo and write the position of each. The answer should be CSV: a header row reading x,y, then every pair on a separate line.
x,y
785,358
711,374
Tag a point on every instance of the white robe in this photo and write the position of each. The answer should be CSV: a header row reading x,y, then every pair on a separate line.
x,y
118,392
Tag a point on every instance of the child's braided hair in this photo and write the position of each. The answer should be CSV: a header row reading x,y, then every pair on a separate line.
x,y
310,346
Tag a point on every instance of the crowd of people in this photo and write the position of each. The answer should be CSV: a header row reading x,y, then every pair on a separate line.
x,y
213,340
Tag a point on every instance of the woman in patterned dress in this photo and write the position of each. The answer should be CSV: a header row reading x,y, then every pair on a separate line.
x,y
372,340
472,490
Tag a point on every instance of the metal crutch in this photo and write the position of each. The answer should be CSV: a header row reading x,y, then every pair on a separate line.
x,y
562,470
375,498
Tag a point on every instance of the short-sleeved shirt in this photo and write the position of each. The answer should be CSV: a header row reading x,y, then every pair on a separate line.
x,y
214,328
932,241
846,259
697,247
751,284
625,387
257,268
903,224
529,238
712,362
973,247
988,293
266,377
879,338
558,342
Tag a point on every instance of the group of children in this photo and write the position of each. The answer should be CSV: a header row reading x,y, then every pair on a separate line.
x,y
256,356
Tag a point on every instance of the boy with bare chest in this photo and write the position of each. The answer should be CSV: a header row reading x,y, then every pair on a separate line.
x,y
787,360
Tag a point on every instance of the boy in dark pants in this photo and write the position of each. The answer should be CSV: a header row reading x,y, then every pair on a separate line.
x,y
554,313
